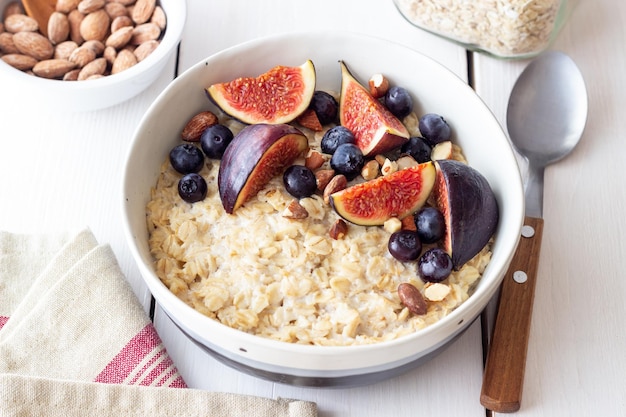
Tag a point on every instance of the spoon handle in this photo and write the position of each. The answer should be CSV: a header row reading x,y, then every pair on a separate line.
x,y
506,360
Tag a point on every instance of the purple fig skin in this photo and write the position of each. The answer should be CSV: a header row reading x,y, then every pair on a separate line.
x,y
256,154
471,207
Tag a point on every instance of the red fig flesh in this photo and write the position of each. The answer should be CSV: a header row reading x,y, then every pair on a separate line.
x,y
277,96
395,195
469,207
376,130
256,154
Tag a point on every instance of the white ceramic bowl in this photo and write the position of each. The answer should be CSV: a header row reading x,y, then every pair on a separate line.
x,y
434,88
103,92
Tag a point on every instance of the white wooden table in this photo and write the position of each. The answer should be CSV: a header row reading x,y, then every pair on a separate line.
x,y
62,170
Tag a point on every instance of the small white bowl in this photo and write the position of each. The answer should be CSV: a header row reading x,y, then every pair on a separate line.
x,y
103,92
435,89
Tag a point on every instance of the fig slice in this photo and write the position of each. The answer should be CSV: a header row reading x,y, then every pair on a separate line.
x,y
376,130
374,202
256,154
469,208
276,96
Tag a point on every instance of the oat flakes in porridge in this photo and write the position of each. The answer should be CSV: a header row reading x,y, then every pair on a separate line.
x,y
287,279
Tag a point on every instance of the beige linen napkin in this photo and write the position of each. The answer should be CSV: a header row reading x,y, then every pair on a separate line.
x,y
74,340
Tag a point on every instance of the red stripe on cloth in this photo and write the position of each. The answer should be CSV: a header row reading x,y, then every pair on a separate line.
x,y
3,321
132,355
157,372
139,375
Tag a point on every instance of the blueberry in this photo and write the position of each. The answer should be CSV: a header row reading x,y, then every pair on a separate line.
x,y
399,102
325,107
186,158
347,160
299,181
334,137
215,139
418,148
431,226
434,265
434,128
404,245
192,188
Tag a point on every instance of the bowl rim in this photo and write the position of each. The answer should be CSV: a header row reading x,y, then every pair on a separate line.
x,y
455,320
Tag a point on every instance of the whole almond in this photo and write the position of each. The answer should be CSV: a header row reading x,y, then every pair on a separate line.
x,y
7,46
145,32
115,10
20,23
124,60
75,18
53,68
33,44
197,125
96,46
143,10
66,6
110,53
121,22
158,17
71,75
145,49
20,61
125,3
95,25
65,49
88,6
337,183
58,28
82,56
120,38
95,67
412,298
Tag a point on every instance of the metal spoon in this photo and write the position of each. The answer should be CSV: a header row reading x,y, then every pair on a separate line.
x,y
40,10
546,117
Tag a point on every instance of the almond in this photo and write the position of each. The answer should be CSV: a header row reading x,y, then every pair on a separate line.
x,y
115,10
71,75
145,32
314,160
82,56
95,25
378,85
120,38
145,49
33,44
158,17
124,60
337,183
370,170
96,67
197,125
66,6
20,61
338,230
20,23
7,46
295,211
65,49
309,120
53,68
142,12
323,177
89,6
408,223
110,54
124,3
96,46
412,298
120,22
58,28
75,18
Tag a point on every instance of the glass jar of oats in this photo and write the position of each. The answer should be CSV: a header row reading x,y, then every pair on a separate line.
x,y
503,28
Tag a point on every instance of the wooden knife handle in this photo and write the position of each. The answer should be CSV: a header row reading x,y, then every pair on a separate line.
x,y
506,360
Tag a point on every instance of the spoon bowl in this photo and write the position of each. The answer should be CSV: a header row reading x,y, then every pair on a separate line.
x,y
546,117
40,10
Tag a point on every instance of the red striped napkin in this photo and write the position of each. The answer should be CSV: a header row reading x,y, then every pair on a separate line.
x,y
75,339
